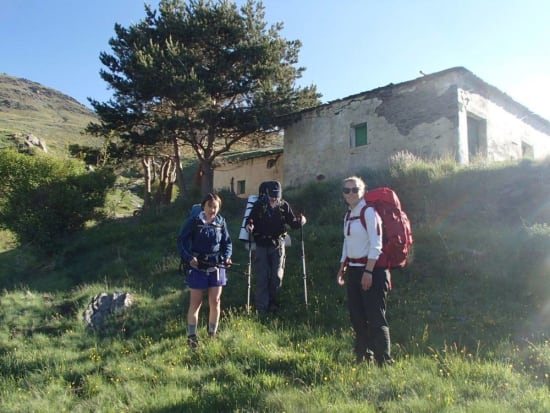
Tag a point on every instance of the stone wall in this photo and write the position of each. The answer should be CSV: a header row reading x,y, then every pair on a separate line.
x,y
422,119
427,117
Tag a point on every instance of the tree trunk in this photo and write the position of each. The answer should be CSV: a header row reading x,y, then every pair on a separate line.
x,y
180,182
198,176
207,176
149,176
167,177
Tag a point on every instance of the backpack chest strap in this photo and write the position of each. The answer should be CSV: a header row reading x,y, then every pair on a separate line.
x,y
361,217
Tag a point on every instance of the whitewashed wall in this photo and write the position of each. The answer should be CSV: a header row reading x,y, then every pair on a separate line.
x,y
426,116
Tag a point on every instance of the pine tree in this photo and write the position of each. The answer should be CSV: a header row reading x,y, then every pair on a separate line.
x,y
202,73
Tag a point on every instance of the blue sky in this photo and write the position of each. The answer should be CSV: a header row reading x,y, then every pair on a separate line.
x,y
349,46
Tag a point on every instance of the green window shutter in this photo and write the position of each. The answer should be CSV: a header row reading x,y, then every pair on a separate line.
x,y
361,135
241,187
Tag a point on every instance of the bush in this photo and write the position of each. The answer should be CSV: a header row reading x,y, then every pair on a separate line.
x,y
44,200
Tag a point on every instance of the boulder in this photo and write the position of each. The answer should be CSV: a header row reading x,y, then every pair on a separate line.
x,y
104,305
31,140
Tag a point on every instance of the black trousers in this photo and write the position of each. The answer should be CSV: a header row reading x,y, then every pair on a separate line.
x,y
367,310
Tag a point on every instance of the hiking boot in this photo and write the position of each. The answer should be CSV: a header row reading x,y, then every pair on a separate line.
x,y
262,311
385,362
273,308
366,358
193,341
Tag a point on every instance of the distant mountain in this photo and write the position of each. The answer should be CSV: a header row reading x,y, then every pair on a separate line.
x,y
29,108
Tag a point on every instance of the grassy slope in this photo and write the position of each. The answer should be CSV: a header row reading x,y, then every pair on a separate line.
x,y
28,107
469,316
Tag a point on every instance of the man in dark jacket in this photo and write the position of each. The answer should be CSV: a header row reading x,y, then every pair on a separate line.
x,y
268,221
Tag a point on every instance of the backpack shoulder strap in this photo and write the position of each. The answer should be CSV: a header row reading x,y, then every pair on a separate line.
x,y
362,216
221,224
195,222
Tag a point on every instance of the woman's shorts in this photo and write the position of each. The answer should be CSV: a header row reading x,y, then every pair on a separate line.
x,y
201,280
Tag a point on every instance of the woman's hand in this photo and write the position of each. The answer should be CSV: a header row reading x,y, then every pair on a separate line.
x,y
366,281
340,277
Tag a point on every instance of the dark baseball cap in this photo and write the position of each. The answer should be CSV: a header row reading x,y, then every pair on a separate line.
x,y
274,190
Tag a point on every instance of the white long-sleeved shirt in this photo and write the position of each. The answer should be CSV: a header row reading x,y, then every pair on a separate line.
x,y
359,243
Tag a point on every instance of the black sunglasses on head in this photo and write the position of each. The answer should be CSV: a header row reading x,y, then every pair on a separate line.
x,y
348,190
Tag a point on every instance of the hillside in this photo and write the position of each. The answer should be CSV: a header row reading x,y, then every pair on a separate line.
x,y
29,108
469,316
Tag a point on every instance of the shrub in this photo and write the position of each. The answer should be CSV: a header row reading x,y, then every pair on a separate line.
x,y
44,199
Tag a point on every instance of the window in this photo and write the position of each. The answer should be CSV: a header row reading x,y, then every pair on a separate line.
x,y
241,187
359,135
527,151
477,137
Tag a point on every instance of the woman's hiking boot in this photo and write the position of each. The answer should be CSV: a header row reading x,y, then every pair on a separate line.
x,y
193,341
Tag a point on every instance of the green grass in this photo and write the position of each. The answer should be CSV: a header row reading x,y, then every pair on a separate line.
x,y
469,316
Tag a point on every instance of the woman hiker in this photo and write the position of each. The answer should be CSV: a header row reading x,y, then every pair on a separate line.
x,y
367,285
205,244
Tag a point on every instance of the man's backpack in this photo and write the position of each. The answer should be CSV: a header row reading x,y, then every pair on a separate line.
x,y
396,227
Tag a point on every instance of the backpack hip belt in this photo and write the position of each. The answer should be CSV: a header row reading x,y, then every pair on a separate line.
x,y
270,237
362,260
210,255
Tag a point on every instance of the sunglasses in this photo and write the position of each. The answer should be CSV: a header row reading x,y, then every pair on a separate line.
x,y
348,190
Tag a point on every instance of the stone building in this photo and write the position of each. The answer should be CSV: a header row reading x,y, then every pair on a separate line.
x,y
452,112
243,172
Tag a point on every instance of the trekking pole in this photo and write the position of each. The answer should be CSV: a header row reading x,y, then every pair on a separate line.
x,y
304,264
249,272
248,277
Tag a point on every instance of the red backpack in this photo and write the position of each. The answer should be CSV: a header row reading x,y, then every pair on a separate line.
x,y
396,227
